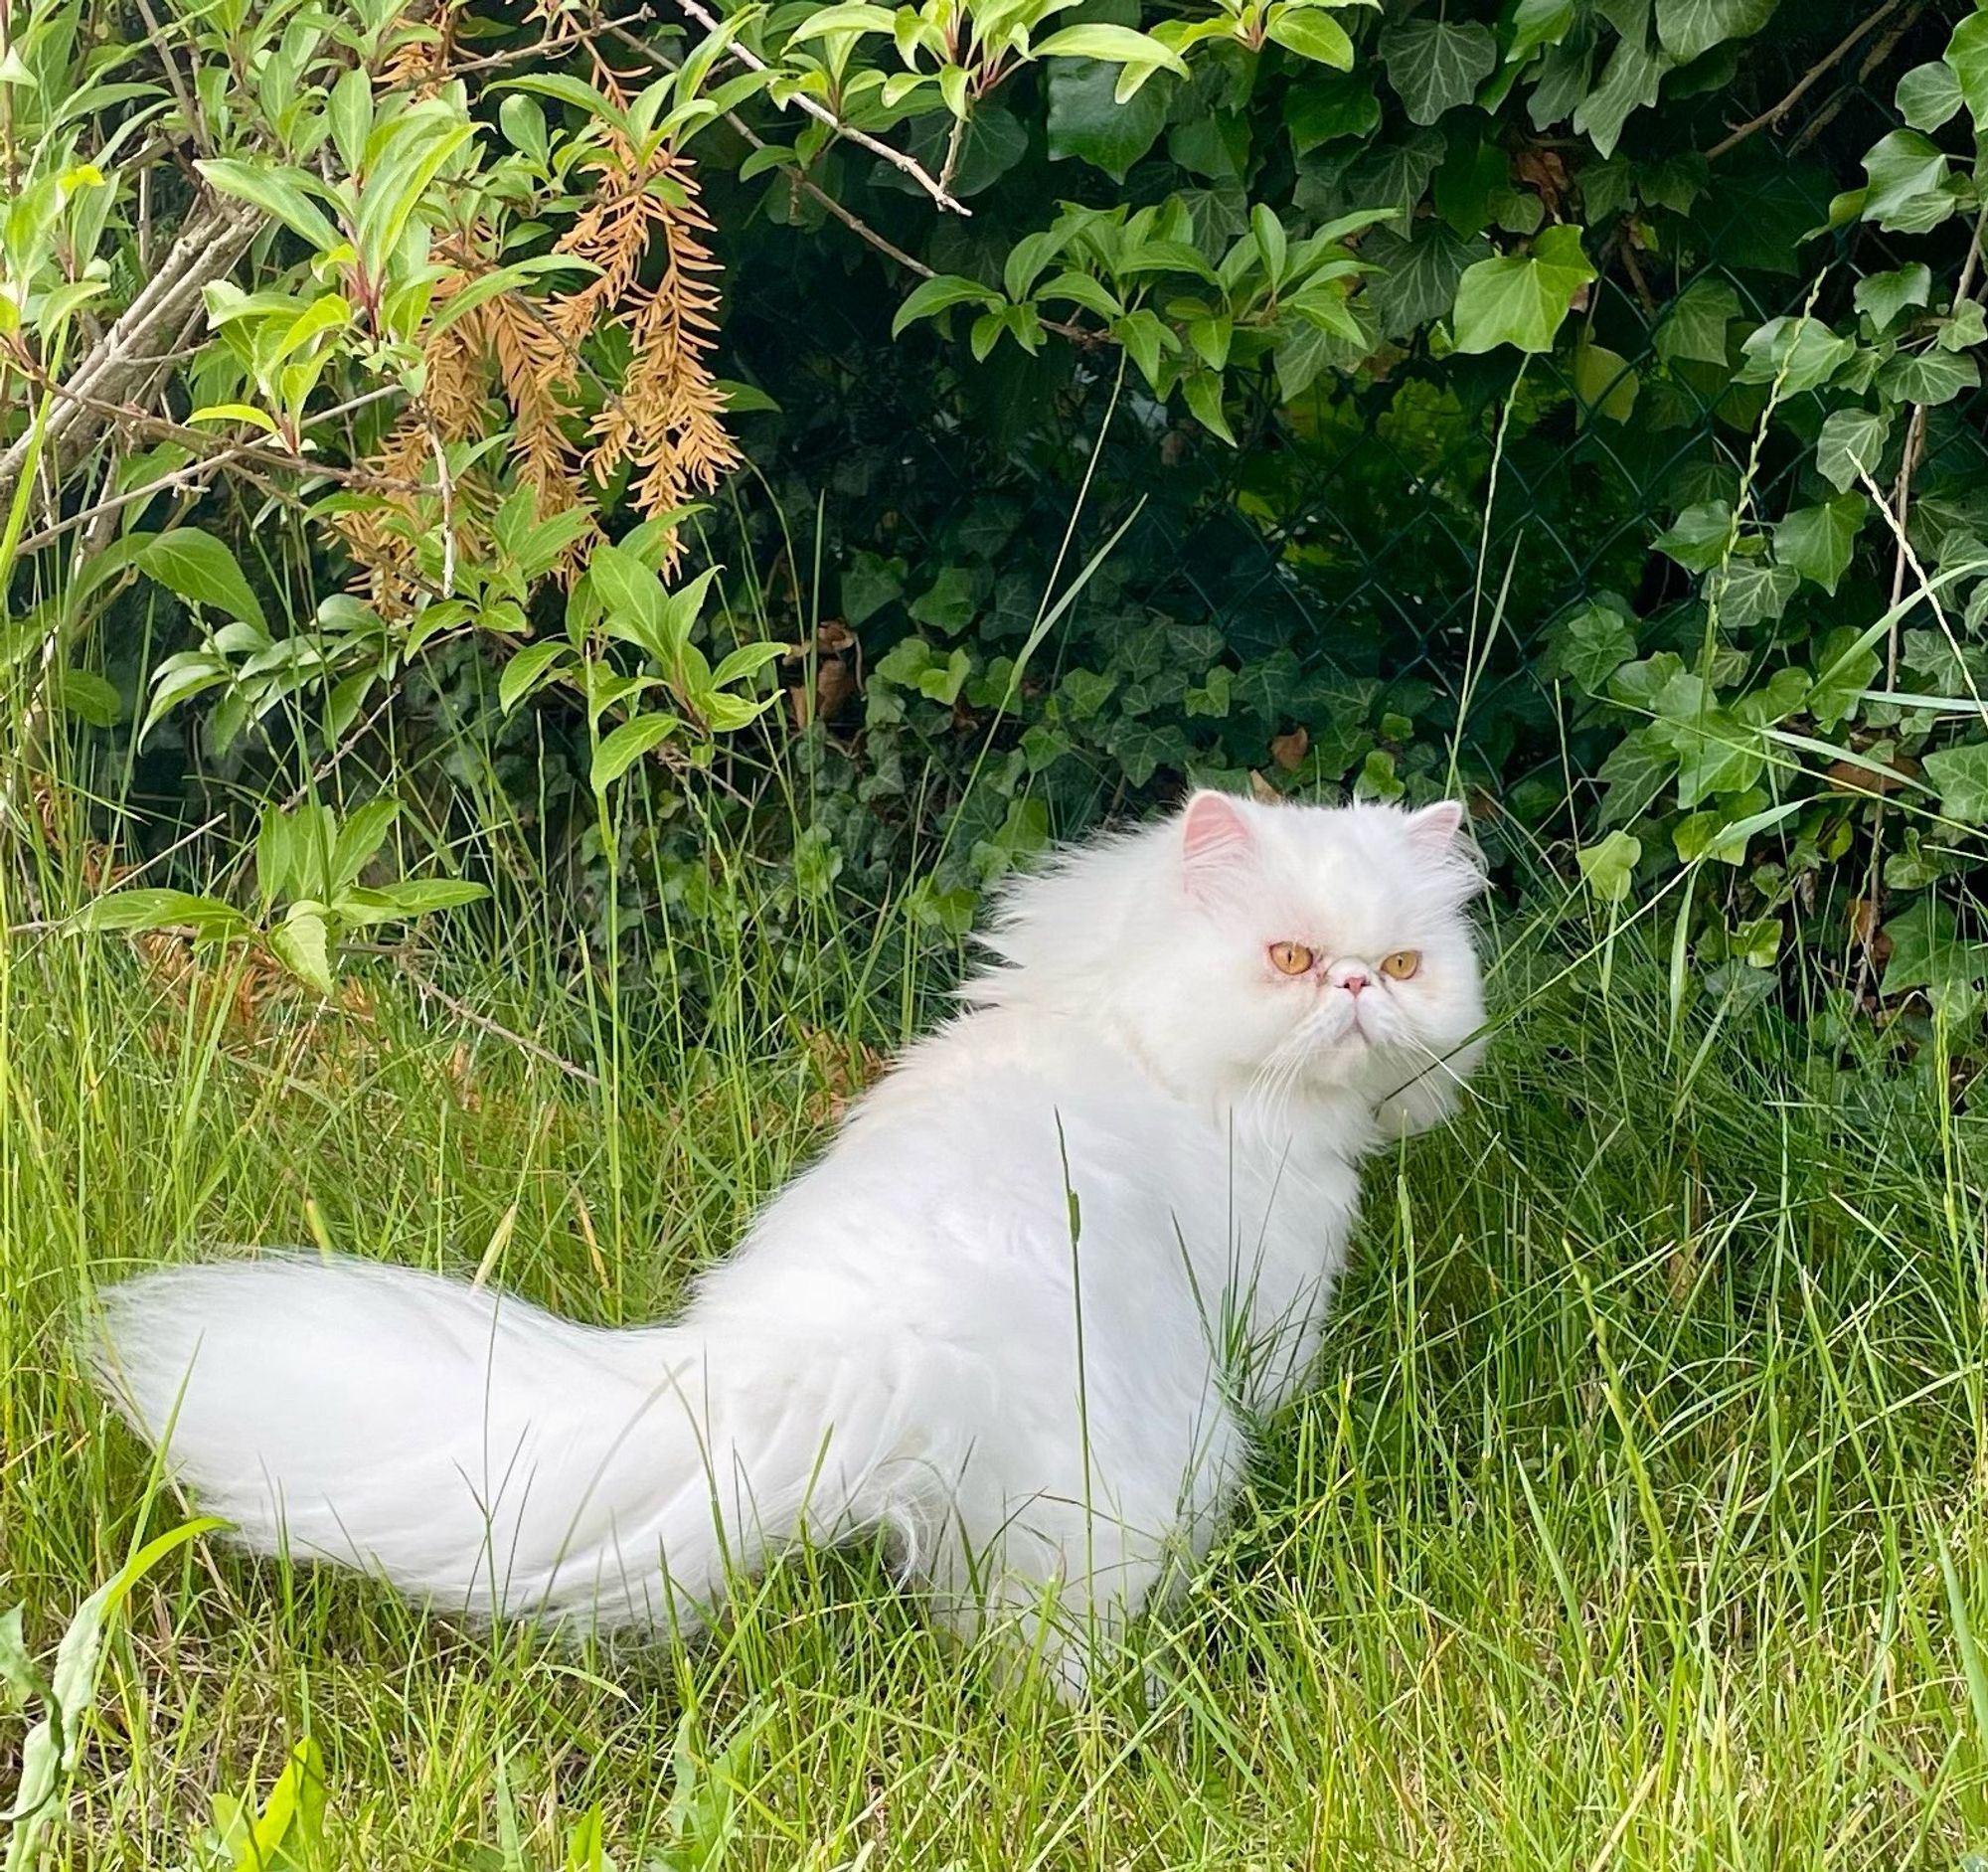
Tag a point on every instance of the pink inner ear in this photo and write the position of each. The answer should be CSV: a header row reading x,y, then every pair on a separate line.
x,y
1213,831
1437,825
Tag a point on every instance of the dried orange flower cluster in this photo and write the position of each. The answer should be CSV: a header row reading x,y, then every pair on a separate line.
x,y
665,423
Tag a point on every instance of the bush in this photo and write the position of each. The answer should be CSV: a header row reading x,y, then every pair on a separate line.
x,y
1576,403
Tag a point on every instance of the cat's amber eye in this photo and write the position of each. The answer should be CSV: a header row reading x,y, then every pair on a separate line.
x,y
1290,959
1401,965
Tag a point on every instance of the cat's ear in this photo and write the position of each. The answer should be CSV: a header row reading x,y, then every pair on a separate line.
x,y
1215,841
1439,837
1434,829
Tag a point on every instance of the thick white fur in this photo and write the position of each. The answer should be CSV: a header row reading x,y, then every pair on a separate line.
x,y
1019,1318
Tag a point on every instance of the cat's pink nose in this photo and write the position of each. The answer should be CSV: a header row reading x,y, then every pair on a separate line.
x,y
1353,982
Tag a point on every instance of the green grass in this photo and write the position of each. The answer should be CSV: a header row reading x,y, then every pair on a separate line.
x,y
1635,1520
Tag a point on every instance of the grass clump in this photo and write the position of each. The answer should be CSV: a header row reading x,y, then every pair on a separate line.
x,y
1634,1520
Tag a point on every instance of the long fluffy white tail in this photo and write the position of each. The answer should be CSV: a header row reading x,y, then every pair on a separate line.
x,y
476,1450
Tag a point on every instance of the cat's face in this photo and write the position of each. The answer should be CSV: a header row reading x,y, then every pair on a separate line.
x,y
1324,947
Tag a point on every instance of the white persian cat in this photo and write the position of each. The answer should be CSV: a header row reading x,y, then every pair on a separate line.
x,y
1018,1321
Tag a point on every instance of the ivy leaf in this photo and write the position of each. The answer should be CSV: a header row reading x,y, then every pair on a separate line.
x,y
1928,94
1928,377
1851,445
1799,353
1699,539
1694,328
1717,754
1415,279
1610,866
1316,110
1637,769
948,604
1928,952
1909,192
1539,23
1630,82
202,570
1967,55
1521,301
1881,298
1592,645
1603,381
1433,65
1690,28
1751,589
1087,122
1817,541
1961,777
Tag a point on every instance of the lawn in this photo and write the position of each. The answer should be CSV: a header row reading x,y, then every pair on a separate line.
x,y
1634,1520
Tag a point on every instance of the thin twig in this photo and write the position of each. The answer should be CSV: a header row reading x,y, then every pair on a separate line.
x,y
822,114
1775,112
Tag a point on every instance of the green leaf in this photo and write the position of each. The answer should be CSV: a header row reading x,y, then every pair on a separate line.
x,y
1592,645
1144,336
1415,279
1844,670
1434,66
1799,353
938,295
1690,28
1701,536
1695,325
1610,866
1311,34
1818,541
151,910
1111,45
570,91
1521,301
1637,769
359,841
1204,397
1881,298
302,943
412,896
632,599
1851,445
1539,23
1967,55
948,603
1930,94
620,750
1960,776
1629,83
1603,381
284,194
1319,109
86,696
1751,590
1087,122
1908,191
1928,377
202,570
525,672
